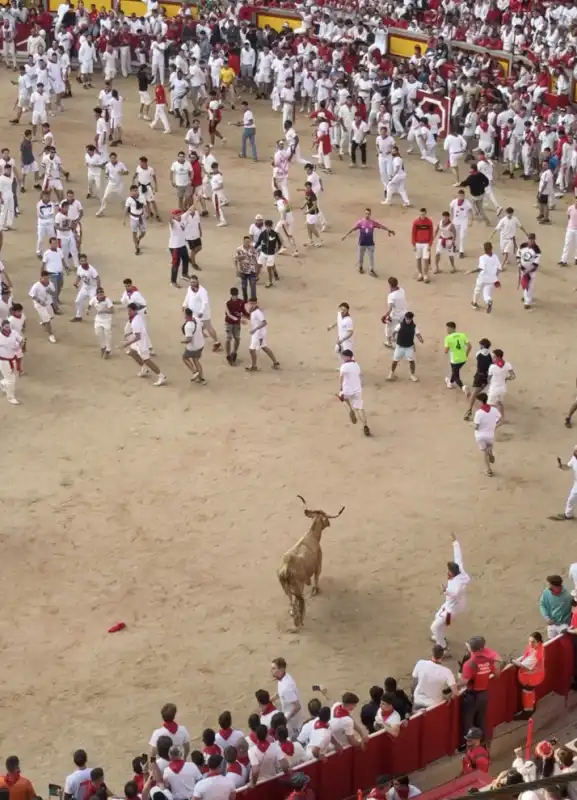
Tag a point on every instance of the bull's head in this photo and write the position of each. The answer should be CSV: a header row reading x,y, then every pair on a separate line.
x,y
317,514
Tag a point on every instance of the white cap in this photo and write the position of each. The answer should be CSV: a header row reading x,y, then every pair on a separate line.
x,y
259,217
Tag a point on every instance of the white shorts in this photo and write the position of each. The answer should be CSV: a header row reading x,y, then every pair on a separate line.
x,y
495,395
179,102
257,340
86,67
146,195
355,400
46,229
45,313
484,442
28,168
145,98
454,159
23,100
448,247
286,226
312,219
54,183
401,353
137,224
422,251
266,261
143,352
39,117
507,246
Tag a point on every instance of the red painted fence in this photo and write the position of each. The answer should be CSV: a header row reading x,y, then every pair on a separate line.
x,y
427,736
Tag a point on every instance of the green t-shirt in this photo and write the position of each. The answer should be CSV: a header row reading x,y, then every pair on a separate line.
x,y
456,344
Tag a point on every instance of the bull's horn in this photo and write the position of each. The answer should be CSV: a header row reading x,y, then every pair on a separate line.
x,y
302,498
336,515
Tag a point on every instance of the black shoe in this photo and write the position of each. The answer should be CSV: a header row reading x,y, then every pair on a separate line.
x,y
524,714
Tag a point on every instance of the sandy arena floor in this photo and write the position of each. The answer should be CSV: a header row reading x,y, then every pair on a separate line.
x,y
170,508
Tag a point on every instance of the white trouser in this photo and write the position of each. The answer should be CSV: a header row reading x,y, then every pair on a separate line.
x,y
345,144
9,53
69,249
528,292
161,116
397,124
390,327
112,188
486,289
570,242
104,336
282,184
555,630
396,186
94,184
527,159
461,229
45,231
8,382
158,70
324,158
7,211
385,164
439,627
430,155
125,60
82,298
298,156
490,194
571,501
217,201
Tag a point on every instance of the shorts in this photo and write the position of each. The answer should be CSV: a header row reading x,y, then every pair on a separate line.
x,y
454,159
312,219
355,400
146,195
39,117
448,247
480,380
54,183
145,98
543,199
401,353
196,354
257,340
45,313
286,226
213,126
194,243
182,191
232,330
484,442
496,396
422,251
28,168
137,224
265,260
507,246
143,352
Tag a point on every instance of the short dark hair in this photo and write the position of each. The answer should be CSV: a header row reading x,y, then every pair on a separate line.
x,y
262,697
163,745
325,714
97,774
279,662
225,719
214,762
13,763
314,706
438,651
282,733
388,698
253,722
208,736
376,693
130,789
79,757
168,710
482,396
196,757
498,353
262,733
349,699
230,754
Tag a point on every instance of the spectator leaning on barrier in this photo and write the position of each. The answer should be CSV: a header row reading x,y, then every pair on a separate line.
x,y
401,702
313,706
543,764
531,674
433,682
555,606
511,777
402,789
79,776
477,670
381,788
19,787
476,755
369,710
342,726
387,718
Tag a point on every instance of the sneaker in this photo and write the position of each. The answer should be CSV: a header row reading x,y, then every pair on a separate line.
x,y
413,378
13,401
448,383
465,390
144,371
489,308
391,377
52,338
561,263
221,224
160,381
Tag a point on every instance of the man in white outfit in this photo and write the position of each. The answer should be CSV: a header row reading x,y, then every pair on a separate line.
x,y
487,277
7,198
570,235
396,185
571,502
384,144
462,218
10,346
87,282
455,596
197,300
104,308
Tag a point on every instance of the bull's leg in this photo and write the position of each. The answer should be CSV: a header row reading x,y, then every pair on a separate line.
x,y
299,610
317,575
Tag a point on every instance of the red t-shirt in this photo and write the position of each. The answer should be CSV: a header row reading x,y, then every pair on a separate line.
x,y
160,95
235,307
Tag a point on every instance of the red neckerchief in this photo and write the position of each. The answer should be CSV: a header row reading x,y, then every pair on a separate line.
x,y
500,362
165,724
213,773
11,777
225,733
252,737
485,407
212,750
288,748
262,746
171,727
385,718
176,765
268,709
244,760
556,590
340,711
236,768
318,724
460,201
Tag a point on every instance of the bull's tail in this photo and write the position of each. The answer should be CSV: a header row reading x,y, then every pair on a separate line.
x,y
294,592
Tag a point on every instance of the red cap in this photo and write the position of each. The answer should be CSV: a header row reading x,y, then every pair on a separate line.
x,y
176,212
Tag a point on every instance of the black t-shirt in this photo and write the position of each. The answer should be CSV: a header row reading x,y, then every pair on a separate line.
x,y
143,81
368,714
477,183
484,361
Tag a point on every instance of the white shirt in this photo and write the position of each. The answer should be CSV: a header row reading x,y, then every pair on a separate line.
x,y
39,102
398,300
498,376
319,737
344,327
89,277
45,213
10,345
267,762
192,229
181,173
182,784
214,787
572,218
73,781
93,164
235,735
114,172
102,320
351,374
460,212
181,737
248,119
63,225
193,329
486,422
134,206
198,303
53,261
489,267
432,678
455,144
359,132
392,721
507,227
341,727
546,182
287,689
40,294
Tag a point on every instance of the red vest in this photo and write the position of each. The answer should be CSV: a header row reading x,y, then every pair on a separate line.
x,y
535,676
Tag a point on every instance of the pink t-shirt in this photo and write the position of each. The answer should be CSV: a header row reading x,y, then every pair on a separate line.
x,y
365,227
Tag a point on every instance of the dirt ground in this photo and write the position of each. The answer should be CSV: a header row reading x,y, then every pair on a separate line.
x,y
169,508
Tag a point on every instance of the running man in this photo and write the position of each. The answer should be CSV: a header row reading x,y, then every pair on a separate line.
x,y
507,228
351,389
345,330
447,234
404,335
422,235
485,421
500,372
458,346
194,345
258,328
484,360
285,225
134,209
138,344
487,277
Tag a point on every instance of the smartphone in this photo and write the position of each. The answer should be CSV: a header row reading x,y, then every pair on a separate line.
x,y
316,687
